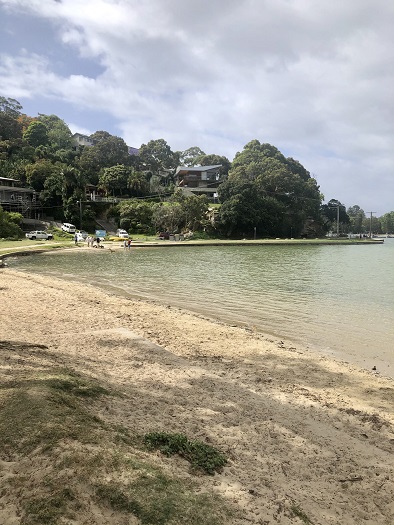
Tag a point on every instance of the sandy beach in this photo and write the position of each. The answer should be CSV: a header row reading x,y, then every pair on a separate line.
x,y
300,431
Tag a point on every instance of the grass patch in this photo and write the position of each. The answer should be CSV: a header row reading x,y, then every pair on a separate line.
x,y
200,455
160,500
300,514
47,509
41,411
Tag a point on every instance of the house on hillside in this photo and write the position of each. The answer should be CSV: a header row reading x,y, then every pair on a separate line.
x,y
82,140
14,197
199,180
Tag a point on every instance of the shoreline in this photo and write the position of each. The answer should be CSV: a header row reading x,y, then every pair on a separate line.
x,y
364,362
299,428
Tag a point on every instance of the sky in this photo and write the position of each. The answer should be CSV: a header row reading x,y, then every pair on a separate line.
x,y
315,78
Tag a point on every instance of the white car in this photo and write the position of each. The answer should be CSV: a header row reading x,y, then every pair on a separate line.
x,y
39,234
82,234
122,234
69,228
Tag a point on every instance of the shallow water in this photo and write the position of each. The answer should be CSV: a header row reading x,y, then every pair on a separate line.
x,y
336,299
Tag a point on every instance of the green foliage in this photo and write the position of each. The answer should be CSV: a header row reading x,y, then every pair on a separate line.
x,y
200,455
281,191
136,216
212,160
59,134
356,217
189,156
9,225
329,213
181,212
157,155
36,134
108,151
247,207
121,179
387,222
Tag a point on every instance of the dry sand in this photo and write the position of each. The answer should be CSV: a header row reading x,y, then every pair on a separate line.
x,y
299,429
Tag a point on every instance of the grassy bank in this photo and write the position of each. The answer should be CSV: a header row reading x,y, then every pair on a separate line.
x,y
67,464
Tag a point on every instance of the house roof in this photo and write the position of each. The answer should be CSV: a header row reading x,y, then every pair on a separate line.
x,y
185,169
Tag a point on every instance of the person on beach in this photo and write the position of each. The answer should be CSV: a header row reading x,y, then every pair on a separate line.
x,y
129,244
125,244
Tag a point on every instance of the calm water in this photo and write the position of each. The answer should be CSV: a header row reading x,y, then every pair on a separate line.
x,y
336,299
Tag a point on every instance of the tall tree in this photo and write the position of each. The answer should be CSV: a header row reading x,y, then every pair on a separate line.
x,y
36,134
59,134
108,151
330,213
157,156
189,156
10,127
247,207
213,160
357,217
283,179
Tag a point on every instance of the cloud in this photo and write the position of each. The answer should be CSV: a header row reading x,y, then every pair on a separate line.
x,y
312,78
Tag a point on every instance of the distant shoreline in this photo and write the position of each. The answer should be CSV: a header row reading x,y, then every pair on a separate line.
x,y
117,245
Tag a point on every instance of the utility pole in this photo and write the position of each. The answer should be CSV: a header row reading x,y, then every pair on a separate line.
x,y
80,214
370,223
337,207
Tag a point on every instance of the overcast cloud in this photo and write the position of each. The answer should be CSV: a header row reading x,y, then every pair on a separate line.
x,y
314,78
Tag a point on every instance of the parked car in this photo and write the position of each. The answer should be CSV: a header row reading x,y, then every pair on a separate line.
x,y
69,228
82,234
39,234
122,233
81,237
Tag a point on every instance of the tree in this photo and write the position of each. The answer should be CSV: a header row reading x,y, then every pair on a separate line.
x,y
52,196
195,209
36,134
10,127
59,134
10,106
136,216
108,151
157,156
330,213
213,160
10,225
38,172
137,184
271,174
168,216
189,156
387,222
247,207
357,217
114,179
